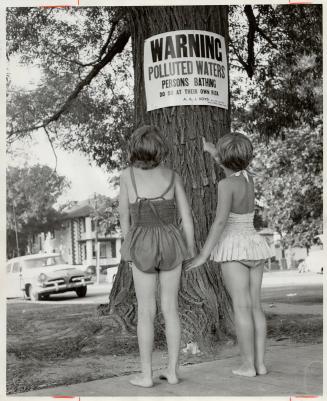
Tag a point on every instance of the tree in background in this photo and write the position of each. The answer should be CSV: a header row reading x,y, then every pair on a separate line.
x,y
84,99
105,213
290,182
32,193
284,104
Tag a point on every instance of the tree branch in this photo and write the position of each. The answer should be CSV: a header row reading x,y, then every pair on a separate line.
x,y
250,37
261,33
239,57
53,149
104,47
91,63
249,64
73,61
117,47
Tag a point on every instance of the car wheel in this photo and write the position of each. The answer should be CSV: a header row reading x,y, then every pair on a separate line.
x,y
81,291
34,295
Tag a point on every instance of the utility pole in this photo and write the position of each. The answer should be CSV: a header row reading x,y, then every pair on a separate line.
x,y
97,244
16,232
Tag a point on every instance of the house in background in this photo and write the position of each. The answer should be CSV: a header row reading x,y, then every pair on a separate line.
x,y
76,239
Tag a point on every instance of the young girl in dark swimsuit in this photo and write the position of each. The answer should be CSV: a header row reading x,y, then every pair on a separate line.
x,y
150,196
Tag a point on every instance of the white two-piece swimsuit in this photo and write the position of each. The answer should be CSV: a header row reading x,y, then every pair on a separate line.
x,y
239,240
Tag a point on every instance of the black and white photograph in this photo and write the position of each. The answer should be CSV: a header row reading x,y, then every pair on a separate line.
x,y
163,199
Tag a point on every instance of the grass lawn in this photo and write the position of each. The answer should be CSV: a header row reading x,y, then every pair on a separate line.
x,y
55,344
301,295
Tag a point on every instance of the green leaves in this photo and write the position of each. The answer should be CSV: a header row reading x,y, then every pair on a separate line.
x,y
281,109
31,195
290,182
286,90
105,213
66,45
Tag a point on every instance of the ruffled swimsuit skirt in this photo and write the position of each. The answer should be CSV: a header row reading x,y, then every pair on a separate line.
x,y
241,242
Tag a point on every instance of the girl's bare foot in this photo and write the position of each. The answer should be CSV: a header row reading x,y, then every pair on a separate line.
x,y
171,378
142,381
245,370
261,369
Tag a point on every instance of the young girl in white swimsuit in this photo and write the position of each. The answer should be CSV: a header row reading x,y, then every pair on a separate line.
x,y
241,251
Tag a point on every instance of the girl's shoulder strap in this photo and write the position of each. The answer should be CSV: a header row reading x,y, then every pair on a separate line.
x,y
133,181
246,174
172,182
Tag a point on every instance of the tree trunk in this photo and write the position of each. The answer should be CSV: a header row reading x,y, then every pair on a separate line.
x,y
204,304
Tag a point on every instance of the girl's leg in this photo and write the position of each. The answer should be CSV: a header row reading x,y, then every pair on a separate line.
x,y
259,319
145,288
237,280
169,286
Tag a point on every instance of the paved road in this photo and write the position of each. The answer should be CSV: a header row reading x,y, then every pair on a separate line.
x,y
96,293
274,285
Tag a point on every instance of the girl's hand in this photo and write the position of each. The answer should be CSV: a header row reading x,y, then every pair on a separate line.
x,y
209,147
194,262
185,213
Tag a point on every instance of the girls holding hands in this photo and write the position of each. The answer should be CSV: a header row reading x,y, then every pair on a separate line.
x,y
150,196
233,242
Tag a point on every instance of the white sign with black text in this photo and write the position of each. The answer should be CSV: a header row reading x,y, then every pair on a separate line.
x,y
187,67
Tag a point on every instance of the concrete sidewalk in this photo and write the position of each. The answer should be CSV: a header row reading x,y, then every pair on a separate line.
x,y
293,370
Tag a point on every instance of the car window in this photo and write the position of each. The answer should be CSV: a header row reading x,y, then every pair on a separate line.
x,y
44,262
8,267
16,267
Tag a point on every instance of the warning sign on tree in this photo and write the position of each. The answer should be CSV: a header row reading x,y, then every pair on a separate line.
x,y
185,68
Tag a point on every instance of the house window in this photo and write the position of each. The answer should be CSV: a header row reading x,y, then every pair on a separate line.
x,y
52,234
113,248
92,225
82,225
94,255
16,268
103,250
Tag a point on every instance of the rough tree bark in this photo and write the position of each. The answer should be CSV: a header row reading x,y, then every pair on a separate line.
x,y
204,303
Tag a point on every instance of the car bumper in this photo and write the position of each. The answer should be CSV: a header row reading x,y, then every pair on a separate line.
x,y
62,287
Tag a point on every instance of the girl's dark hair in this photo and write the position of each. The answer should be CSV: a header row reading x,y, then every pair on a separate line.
x,y
147,148
235,151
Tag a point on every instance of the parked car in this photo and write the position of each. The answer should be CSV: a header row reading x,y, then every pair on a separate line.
x,y
109,270
91,269
40,275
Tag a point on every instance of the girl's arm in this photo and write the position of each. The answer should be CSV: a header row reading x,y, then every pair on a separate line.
x,y
124,206
185,213
225,197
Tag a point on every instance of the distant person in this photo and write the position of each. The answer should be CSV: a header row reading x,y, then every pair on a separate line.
x,y
233,242
302,267
153,244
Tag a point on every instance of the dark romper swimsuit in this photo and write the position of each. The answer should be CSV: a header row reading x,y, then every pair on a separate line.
x,y
153,242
